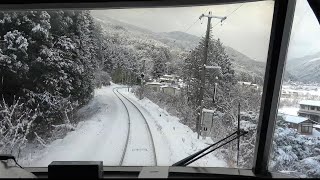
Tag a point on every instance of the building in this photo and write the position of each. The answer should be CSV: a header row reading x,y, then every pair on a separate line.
x,y
251,85
155,86
310,109
302,124
170,90
170,79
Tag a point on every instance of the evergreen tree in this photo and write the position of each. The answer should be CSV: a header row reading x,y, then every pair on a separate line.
x,y
48,60
225,78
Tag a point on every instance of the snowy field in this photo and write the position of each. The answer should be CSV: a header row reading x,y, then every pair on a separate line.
x,y
302,89
102,137
289,110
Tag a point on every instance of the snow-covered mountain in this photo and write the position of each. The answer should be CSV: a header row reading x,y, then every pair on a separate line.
x,y
250,69
246,68
305,69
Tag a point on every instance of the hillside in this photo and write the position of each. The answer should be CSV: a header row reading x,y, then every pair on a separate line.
x,y
305,69
246,68
179,43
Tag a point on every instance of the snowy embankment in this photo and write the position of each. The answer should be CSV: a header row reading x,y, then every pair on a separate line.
x,y
181,139
101,136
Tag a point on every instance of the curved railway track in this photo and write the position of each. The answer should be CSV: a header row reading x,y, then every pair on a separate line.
x,y
129,132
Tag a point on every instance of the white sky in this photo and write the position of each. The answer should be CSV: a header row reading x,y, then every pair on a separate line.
x,y
305,35
246,30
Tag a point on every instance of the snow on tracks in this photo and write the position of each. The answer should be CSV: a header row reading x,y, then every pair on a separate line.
x,y
140,148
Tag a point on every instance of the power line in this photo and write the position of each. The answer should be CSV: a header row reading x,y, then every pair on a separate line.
x,y
230,14
194,22
216,23
235,10
192,25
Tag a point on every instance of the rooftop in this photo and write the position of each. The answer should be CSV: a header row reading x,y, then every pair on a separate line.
x,y
153,83
208,110
310,103
293,119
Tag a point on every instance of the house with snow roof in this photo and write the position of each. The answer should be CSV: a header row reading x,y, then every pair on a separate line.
x,y
310,109
302,124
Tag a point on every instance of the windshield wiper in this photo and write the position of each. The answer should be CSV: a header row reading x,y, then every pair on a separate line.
x,y
190,159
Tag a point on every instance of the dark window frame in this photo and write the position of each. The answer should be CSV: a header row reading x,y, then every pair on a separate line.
x,y
278,45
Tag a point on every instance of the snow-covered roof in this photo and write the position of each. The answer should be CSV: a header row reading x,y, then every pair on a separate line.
x,y
293,119
167,75
310,102
153,83
208,110
317,126
167,86
213,67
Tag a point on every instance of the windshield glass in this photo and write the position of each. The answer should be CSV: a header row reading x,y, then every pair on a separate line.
x,y
132,87
296,139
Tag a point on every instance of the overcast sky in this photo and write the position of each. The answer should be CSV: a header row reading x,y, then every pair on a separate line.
x,y
305,35
247,29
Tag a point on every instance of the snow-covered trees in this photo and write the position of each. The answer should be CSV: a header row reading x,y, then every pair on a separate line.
x,y
47,60
222,80
102,78
295,152
128,54
292,152
15,126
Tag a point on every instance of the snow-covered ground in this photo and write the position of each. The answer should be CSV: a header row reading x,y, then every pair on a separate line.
x,y
103,136
181,139
315,133
289,110
302,89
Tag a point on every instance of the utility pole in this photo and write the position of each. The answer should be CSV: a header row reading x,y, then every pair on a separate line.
x,y
203,68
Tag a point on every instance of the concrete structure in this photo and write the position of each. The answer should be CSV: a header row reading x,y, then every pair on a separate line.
x,y
206,122
155,86
302,124
250,84
170,90
170,79
310,109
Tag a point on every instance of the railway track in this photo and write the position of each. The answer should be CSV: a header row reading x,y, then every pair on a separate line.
x,y
136,137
